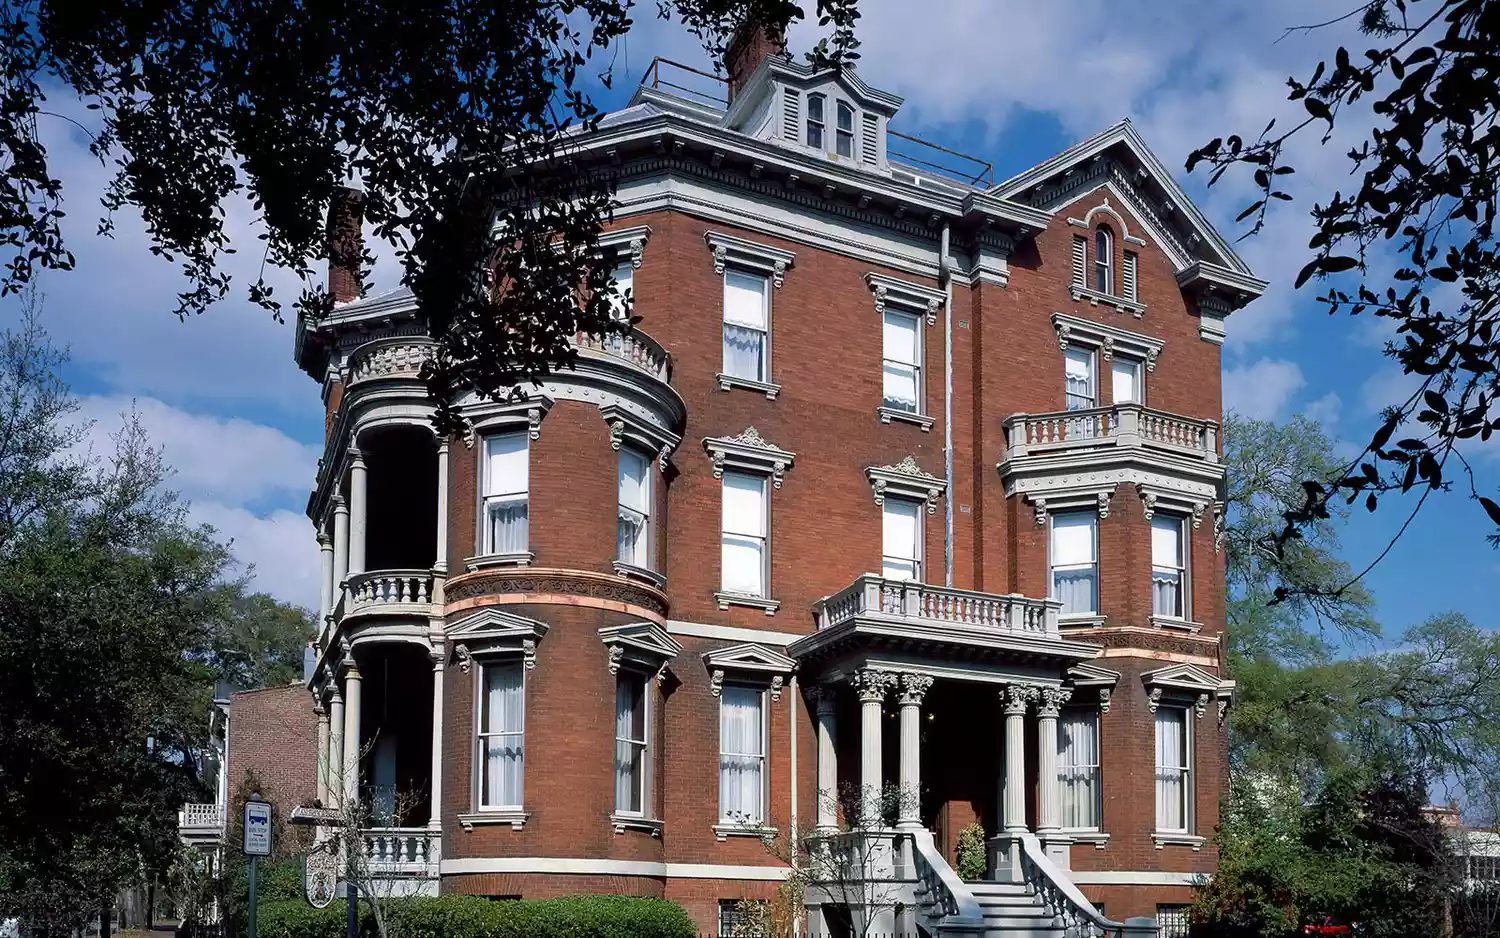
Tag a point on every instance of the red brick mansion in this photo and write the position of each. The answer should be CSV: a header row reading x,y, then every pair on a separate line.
x,y
907,481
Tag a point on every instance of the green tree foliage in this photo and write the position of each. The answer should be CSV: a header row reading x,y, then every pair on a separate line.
x,y
1419,218
457,119
115,614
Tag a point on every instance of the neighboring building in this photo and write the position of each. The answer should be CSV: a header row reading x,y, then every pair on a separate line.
x,y
684,591
201,824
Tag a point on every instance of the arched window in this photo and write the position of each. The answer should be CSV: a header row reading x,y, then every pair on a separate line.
x,y
844,131
815,121
1104,253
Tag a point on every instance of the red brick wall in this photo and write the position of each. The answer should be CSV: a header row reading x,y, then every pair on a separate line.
x,y
274,733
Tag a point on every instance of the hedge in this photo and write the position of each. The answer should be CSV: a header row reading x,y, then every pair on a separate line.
x,y
475,917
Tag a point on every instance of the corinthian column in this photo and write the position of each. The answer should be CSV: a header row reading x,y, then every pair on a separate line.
x,y
358,511
825,700
1048,807
912,689
1017,698
871,686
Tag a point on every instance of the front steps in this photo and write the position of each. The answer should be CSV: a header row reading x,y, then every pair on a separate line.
x,y
1011,910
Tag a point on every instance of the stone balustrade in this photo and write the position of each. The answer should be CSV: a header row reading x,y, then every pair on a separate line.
x,y
874,595
1114,426
393,591
401,357
636,348
401,851
204,816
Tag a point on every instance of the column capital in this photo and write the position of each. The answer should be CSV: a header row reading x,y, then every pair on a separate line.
x,y
439,655
442,445
335,697
356,457
1018,697
340,505
872,686
913,688
823,697
1051,700
319,708
324,541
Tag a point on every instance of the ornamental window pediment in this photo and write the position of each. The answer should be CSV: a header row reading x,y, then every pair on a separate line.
x,y
626,427
749,664
738,253
625,245
906,479
493,632
1074,332
1084,677
1186,683
643,645
749,452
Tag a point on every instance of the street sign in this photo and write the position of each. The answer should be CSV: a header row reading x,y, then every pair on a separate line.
x,y
315,816
321,875
257,828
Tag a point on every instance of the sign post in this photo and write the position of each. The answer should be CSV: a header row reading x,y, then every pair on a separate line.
x,y
257,845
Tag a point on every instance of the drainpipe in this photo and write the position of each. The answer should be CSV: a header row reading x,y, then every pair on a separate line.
x,y
945,283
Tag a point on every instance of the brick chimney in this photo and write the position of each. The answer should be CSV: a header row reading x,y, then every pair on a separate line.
x,y
748,47
346,243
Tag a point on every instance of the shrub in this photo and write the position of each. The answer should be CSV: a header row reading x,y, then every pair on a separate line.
x,y
475,917
970,853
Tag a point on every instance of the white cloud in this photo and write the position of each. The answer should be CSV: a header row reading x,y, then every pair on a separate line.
x,y
278,548
1326,410
1262,389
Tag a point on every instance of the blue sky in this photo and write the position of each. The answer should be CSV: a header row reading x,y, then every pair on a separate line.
x,y
1014,82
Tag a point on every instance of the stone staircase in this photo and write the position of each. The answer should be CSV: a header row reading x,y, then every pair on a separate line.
x,y
1013,910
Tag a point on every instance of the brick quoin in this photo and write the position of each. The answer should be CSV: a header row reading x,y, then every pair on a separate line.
x,y
825,530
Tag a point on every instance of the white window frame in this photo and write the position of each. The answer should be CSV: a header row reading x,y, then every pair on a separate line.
x,y
1104,261
918,352
647,519
481,706
819,123
890,503
840,134
1186,772
764,539
1095,769
764,755
1092,357
641,747
764,378
1135,365
1053,568
1182,570
489,498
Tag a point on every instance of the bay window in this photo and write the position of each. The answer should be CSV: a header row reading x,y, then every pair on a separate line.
x,y
742,756
901,522
1074,561
1168,567
1078,767
1174,773
631,705
505,496
743,554
501,743
902,362
747,302
634,534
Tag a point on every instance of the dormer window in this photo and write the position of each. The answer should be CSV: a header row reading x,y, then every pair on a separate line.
x,y
844,132
1104,280
815,121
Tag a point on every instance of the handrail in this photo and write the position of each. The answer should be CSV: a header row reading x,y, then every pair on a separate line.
x,y
1112,425
652,76
954,900
1063,899
986,169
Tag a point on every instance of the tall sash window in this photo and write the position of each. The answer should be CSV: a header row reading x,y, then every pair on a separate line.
x,y
502,722
1174,774
506,493
742,756
1078,767
1075,568
630,743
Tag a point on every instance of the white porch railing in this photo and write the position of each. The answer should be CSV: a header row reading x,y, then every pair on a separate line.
x,y
408,852
1062,898
393,591
634,347
402,357
874,595
1119,425
201,816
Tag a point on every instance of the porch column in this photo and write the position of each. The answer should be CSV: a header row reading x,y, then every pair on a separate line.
x,y
334,754
913,688
322,711
358,505
441,555
439,659
825,700
351,735
1017,697
325,592
872,686
340,546
1048,807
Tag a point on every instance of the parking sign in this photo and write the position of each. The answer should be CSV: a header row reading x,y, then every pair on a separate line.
x,y
257,828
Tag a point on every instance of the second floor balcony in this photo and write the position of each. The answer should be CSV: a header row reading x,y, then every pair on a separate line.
x,y
1118,427
201,824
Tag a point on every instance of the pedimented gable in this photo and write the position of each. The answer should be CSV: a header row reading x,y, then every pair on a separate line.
x,y
490,632
751,662
645,644
1187,682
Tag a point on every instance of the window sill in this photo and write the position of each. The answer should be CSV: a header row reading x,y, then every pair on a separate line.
x,y
723,832
1081,621
1096,298
888,414
1177,839
519,558
515,817
631,572
1181,625
626,822
730,381
725,600
1097,838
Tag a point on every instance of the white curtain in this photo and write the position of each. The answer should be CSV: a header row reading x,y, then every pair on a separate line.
x,y
1125,377
504,739
741,756
901,362
902,523
635,508
744,325
1166,566
1073,566
506,481
1078,768
630,735
744,534
1171,783
1079,372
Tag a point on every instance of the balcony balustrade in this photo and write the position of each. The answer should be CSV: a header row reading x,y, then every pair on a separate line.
x,y
201,824
1121,425
872,596
402,358
401,852
635,348
388,592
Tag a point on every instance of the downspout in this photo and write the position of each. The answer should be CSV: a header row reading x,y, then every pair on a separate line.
x,y
794,696
945,283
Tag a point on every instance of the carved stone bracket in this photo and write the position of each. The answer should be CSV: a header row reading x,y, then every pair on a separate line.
x,y
465,657
1104,695
1153,699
